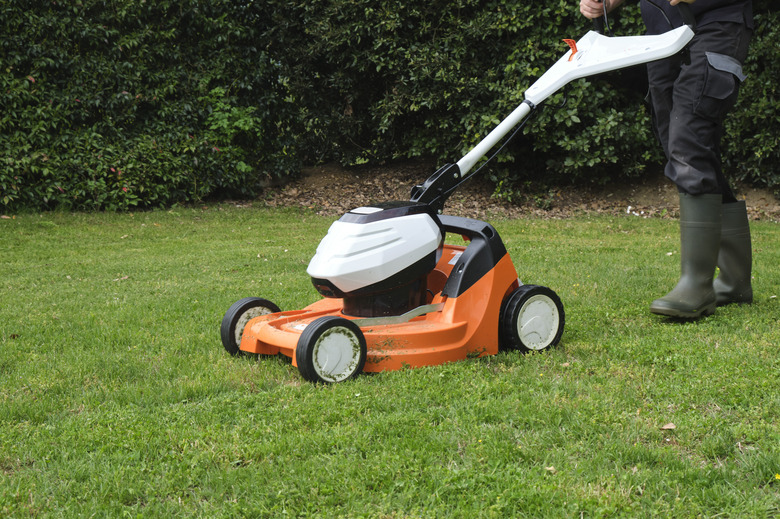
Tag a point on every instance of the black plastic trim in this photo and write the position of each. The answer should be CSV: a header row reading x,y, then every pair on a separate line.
x,y
436,188
390,210
480,257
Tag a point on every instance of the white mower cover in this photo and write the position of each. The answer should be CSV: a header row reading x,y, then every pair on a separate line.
x,y
595,54
357,255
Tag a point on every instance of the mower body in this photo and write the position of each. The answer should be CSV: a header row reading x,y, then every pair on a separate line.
x,y
457,316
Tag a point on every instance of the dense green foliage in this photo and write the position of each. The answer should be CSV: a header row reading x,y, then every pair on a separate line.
x,y
111,103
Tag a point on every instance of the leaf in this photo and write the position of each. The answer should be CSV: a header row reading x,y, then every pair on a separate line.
x,y
668,427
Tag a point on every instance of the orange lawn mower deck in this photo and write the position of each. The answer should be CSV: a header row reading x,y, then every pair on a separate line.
x,y
472,305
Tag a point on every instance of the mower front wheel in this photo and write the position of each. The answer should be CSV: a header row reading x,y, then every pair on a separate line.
x,y
237,317
531,319
331,349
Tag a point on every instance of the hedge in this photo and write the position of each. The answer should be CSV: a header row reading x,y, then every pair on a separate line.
x,y
110,104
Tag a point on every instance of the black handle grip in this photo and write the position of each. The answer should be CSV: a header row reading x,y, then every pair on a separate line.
x,y
598,23
687,15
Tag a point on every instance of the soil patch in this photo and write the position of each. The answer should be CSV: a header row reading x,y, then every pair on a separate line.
x,y
333,190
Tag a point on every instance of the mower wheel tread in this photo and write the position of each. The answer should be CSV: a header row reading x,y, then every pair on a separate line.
x,y
331,349
531,319
236,318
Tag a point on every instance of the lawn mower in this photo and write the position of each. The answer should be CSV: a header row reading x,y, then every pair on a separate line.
x,y
394,294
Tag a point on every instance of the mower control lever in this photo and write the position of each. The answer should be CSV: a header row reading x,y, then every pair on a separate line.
x,y
685,12
600,22
687,15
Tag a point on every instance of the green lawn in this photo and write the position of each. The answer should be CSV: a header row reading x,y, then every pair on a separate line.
x,y
117,398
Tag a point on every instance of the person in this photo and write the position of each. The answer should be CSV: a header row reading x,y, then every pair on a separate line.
x,y
691,94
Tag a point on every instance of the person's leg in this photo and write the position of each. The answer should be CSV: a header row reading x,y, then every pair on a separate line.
x,y
735,257
689,124
693,296
705,91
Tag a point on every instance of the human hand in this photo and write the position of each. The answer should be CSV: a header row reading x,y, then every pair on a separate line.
x,y
595,8
675,2
591,8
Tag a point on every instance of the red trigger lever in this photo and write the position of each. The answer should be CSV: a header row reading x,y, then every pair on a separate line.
x,y
573,46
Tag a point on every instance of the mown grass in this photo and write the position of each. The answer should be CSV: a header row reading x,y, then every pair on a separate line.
x,y
117,399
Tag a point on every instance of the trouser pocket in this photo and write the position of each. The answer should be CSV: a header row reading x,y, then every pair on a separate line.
x,y
721,86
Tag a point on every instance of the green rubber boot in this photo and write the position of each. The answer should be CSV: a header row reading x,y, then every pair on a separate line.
x,y
700,223
735,259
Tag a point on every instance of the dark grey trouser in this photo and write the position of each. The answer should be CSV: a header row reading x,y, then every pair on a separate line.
x,y
691,95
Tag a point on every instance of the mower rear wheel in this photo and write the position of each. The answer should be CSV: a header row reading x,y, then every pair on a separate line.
x,y
331,349
531,319
237,317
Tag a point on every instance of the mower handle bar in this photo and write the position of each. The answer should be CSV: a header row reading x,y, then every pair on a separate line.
x,y
443,182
